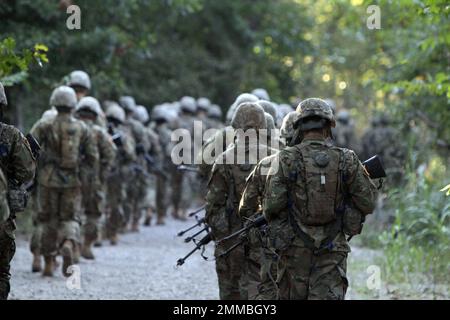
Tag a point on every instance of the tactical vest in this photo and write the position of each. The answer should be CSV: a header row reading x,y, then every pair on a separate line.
x,y
316,195
316,181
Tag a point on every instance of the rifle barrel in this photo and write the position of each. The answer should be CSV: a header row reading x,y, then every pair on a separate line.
x,y
189,239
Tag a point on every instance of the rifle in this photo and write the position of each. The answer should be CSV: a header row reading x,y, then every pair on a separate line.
x,y
202,243
154,167
187,168
199,222
258,222
34,145
189,239
193,213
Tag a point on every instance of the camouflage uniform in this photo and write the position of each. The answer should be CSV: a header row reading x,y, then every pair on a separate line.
x,y
117,179
225,189
136,183
344,134
261,261
304,204
93,179
65,141
383,140
16,164
161,128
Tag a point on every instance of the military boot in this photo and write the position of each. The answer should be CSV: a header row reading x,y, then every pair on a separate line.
x,y
135,226
113,240
49,267
36,266
148,218
86,249
160,221
76,253
67,254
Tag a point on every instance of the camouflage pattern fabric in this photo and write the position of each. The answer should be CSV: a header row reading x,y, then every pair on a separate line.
x,y
303,272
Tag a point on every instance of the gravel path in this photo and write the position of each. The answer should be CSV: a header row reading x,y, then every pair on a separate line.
x,y
142,266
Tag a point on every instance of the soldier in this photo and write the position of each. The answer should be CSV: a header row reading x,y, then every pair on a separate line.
x,y
65,142
221,139
261,258
181,195
162,118
344,134
224,192
282,111
17,167
154,159
93,179
119,175
382,139
136,182
35,241
203,106
311,191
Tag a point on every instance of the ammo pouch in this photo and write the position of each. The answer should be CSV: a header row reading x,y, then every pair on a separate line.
x,y
352,223
17,199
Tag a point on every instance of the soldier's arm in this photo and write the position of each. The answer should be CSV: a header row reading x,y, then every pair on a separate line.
x,y
90,147
107,152
275,190
250,199
361,189
216,200
22,163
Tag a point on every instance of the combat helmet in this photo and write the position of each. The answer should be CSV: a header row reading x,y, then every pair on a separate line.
x,y
249,115
188,104
261,94
268,107
3,100
343,116
115,112
287,130
63,96
91,104
243,97
79,78
203,104
141,114
215,112
332,104
127,103
49,114
317,112
270,123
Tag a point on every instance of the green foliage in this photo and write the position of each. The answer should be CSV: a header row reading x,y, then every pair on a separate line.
x,y
419,241
13,65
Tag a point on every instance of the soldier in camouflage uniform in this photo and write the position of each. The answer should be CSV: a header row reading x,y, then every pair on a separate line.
x,y
17,167
181,195
261,94
313,191
119,175
221,139
136,186
154,154
35,241
261,259
203,106
161,121
65,141
224,192
344,134
384,140
93,179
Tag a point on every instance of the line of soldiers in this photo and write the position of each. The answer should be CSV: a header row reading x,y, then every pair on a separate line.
x,y
102,169
313,193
